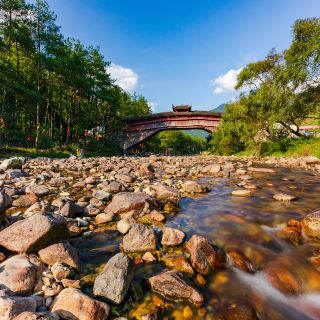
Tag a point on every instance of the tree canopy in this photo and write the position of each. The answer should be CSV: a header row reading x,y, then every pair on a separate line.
x,y
279,93
54,90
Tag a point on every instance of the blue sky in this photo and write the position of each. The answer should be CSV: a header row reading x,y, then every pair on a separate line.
x,y
182,51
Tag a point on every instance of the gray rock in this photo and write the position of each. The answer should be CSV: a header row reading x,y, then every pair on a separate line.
x,y
61,252
172,286
72,304
61,271
172,237
203,256
27,315
104,218
102,195
311,224
196,187
124,225
212,169
70,209
12,163
5,199
11,306
34,233
168,194
39,189
140,238
20,273
113,282
128,202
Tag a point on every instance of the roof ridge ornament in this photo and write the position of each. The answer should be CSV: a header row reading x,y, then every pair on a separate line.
x,y
182,108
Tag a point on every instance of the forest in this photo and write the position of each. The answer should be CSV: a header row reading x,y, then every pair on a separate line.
x,y
54,91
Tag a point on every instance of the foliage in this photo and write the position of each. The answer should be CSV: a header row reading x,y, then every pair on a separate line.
x,y
280,93
180,142
53,89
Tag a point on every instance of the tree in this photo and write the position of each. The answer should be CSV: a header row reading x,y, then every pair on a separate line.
x,y
53,89
280,92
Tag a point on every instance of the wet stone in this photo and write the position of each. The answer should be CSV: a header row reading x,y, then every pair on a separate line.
x,y
140,238
172,237
173,286
284,197
113,282
203,255
311,224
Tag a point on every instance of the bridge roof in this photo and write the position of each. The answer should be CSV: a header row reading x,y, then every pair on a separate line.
x,y
174,114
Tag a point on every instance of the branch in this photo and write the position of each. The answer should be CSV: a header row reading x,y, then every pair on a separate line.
x,y
297,133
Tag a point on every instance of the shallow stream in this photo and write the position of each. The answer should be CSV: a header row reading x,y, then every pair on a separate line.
x,y
249,225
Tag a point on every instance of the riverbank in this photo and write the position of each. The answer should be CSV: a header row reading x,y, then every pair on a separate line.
x,y
158,237
296,148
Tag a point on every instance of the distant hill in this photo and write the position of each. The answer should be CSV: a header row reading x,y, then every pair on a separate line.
x,y
197,133
219,108
202,133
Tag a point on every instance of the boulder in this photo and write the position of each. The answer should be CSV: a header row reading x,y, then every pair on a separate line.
x,y
172,237
5,199
167,194
171,285
61,252
37,316
70,209
157,216
263,170
102,195
12,163
177,262
25,200
34,233
61,271
20,274
203,256
128,202
72,304
238,260
283,197
11,306
311,224
196,187
113,187
140,238
113,282
124,225
104,218
38,189
212,169
241,193
148,257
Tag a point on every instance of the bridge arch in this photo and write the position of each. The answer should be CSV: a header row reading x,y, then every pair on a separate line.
x,y
138,129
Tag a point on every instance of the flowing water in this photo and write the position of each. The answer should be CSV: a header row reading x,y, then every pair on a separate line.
x,y
250,225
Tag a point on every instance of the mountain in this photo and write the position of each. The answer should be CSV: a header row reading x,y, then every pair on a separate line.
x,y
197,133
219,108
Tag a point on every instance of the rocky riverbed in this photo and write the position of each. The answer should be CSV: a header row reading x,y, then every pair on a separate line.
x,y
197,237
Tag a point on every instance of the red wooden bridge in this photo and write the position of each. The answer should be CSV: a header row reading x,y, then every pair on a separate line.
x,y
139,129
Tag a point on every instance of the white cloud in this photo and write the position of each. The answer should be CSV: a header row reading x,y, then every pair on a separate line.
x,y
225,82
125,78
153,106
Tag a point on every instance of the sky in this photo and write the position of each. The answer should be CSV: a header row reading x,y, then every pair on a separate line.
x,y
181,51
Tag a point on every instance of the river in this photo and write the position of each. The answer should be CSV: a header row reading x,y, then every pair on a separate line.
x,y
251,227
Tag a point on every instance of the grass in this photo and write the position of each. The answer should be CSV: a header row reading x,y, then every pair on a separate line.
x,y
291,148
309,147
288,148
6,152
